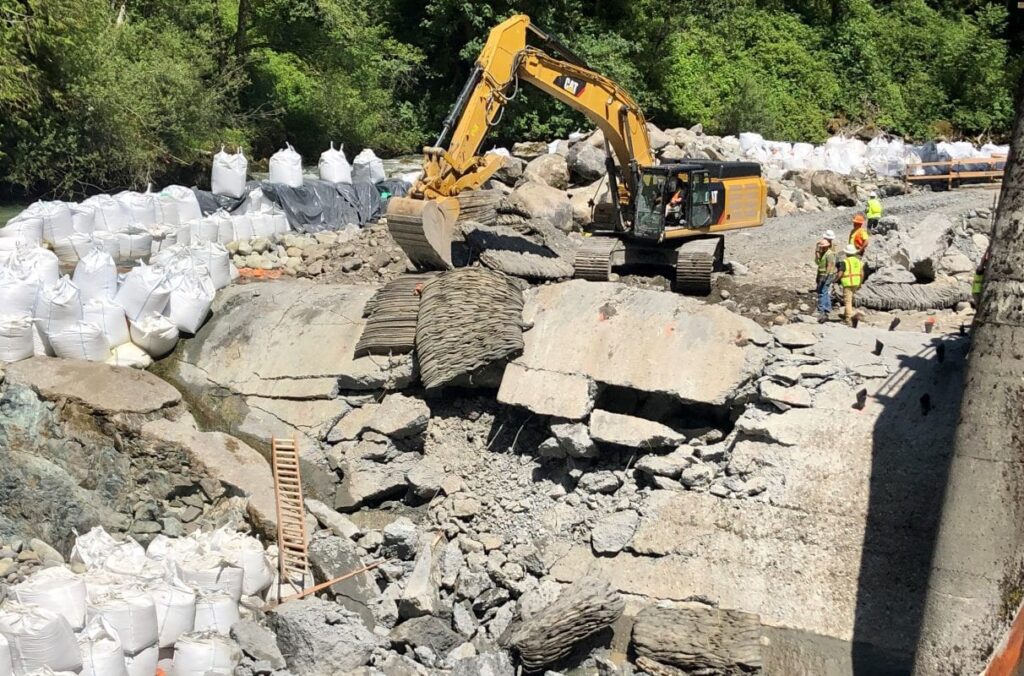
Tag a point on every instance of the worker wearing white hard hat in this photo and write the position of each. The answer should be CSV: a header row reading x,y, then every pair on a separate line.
x,y
873,211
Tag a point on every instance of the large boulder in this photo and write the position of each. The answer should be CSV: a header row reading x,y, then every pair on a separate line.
x,y
529,150
658,138
511,171
425,631
551,169
564,395
616,335
319,637
627,430
540,200
839,189
367,481
331,557
585,198
586,163
925,243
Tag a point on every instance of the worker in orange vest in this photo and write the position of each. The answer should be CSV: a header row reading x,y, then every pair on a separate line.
x,y
859,235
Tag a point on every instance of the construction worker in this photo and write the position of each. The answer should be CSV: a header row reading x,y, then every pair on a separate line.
x,y
825,259
859,235
873,211
850,277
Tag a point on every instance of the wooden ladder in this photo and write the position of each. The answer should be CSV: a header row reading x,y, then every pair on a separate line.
x,y
292,543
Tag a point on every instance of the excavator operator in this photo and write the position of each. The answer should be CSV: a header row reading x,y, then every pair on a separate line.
x,y
674,210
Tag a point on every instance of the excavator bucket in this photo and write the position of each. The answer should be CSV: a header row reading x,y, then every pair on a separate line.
x,y
423,228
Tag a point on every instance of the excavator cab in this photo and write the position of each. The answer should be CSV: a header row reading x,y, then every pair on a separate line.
x,y
671,197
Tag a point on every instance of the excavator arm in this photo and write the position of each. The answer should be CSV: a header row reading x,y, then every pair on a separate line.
x,y
422,223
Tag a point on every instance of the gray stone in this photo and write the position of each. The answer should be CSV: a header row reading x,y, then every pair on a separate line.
x,y
670,465
562,395
550,169
331,556
399,416
542,201
599,482
795,336
401,538
626,430
47,554
452,560
472,583
258,642
586,163
491,598
511,171
422,594
334,521
698,475
539,598
574,440
464,620
657,137
489,664
786,397
425,478
528,150
426,631
317,637
613,532
366,483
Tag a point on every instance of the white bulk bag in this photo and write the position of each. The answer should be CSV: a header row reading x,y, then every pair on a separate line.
x,y
333,165
228,174
155,334
246,553
262,225
144,662
129,355
163,237
130,611
24,228
38,638
368,167
110,214
141,207
136,566
183,233
177,204
286,167
96,276
6,668
101,650
211,572
205,229
15,337
215,611
145,290
255,202
57,223
79,340
234,228
18,290
110,318
135,244
58,306
65,250
83,218
199,653
99,583
91,549
190,301
38,262
214,257
175,606
280,223
58,590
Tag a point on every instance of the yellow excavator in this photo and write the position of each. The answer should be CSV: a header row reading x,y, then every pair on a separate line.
x,y
668,215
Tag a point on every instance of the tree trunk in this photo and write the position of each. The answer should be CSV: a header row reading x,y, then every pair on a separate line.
x,y
242,27
977,575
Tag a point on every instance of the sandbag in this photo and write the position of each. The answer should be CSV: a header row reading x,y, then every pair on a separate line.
x,y
38,638
286,167
58,307
228,174
25,229
199,653
96,276
333,165
141,207
56,217
234,228
145,291
38,262
132,615
215,258
190,301
262,224
205,229
129,355
212,573
83,218
247,553
6,668
155,334
92,549
144,662
109,317
101,650
79,340
15,337
58,590
133,564
110,214
215,611
18,290
135,244
175,606
177,204
367,167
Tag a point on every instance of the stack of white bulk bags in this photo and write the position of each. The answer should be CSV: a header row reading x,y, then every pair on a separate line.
x,y
38,638
334,167
286,167
228,175
368,167
154,333
132,614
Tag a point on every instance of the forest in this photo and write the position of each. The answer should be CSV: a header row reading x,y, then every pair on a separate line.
x,y
107,94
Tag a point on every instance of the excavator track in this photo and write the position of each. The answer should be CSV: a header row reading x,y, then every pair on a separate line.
x,y
695,261
593,260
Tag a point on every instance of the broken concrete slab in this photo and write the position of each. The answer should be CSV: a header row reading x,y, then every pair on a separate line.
x,y
670,465
367,482
400,417
627,430
611,534
422,593
795,335
785,398
330,557
102,388
694,636
562,395
332,520
312,417
574,440
628,337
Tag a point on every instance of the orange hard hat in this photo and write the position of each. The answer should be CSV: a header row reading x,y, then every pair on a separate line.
x,y
858,219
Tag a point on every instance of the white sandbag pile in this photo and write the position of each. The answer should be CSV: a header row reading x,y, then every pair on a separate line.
x,y
228,174
201,653
334,167
286,167
368,167
222,227
58,590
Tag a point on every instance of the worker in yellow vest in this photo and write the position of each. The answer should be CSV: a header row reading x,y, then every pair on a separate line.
x,y
873,211
850,279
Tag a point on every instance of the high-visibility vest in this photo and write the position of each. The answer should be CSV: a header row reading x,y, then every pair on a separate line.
x,y
859,238
979,281
874,209
851,272
823,259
